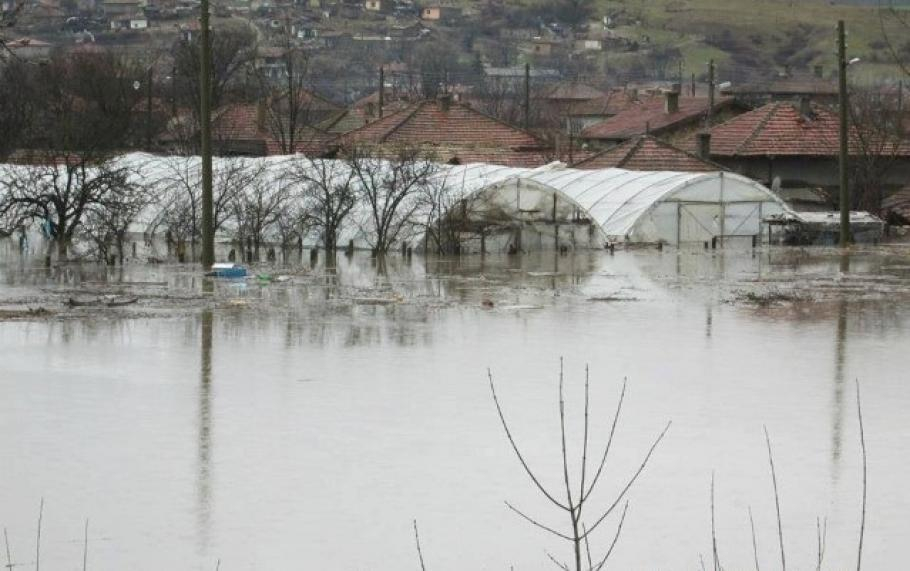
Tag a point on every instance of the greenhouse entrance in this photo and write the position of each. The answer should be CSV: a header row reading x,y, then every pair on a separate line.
x,y
737,222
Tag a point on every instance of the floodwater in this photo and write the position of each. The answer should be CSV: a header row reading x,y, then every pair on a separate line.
x,y
305,423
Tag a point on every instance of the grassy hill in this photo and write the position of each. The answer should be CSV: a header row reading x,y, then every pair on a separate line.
x,y
763,33
745,35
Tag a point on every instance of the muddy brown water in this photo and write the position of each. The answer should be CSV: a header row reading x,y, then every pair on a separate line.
x,y
304,423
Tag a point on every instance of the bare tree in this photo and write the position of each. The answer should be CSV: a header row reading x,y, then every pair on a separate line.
x,y
8,18
108,221
389,189
257,207
577,494
293,224
284,92
328,191
233,52
894,21
20,103
878,142
181,214
59,197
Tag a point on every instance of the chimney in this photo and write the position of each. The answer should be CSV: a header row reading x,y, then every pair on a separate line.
x,y
819,71
704,145
444,100
671,101
805,107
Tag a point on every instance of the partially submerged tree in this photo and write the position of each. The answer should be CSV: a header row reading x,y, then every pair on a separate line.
x,y
60,197
575,503
389,185
83,117
181,215
328,191
107,222
257,207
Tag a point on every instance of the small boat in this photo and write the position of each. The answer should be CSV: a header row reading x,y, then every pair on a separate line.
x,y
227,270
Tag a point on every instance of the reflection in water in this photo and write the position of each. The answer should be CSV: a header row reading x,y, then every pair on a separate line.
x,y
204,453
840,352
403,374
840,357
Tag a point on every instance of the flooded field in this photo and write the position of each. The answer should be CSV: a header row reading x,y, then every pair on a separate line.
x,y
304,419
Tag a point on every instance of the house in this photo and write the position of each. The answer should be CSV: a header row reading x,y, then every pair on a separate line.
x,y
441,14
648,153
455,133
582,114
541,47
554,102
669,115
378,5
134,22
521,34
797,146
514,77
29,48
244,130
788,87
122,8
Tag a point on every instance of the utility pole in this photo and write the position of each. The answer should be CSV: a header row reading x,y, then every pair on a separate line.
x,y
205,114
527,95
900,101
381,89
710,94
844,197
148,111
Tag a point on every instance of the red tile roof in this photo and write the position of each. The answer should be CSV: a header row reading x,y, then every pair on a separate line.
x,y
652,117
241,125
612,103
570,91
453,127
647,153
780,129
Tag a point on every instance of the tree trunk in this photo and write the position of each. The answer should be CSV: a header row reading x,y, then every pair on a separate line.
x,y
61,248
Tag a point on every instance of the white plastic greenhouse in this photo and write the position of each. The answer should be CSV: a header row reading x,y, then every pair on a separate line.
x,y
631,206
506,209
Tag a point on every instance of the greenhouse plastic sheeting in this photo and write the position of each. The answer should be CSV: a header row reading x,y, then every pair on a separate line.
x,y
634,206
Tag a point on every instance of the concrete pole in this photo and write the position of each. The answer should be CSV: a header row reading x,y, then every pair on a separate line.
x,y
205,117
844,197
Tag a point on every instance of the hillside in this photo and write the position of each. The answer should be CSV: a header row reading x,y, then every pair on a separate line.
x,y
745,35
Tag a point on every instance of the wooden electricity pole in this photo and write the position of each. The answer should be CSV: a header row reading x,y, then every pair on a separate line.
x,y
527,95
205,115
710,94
381,89
844,197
